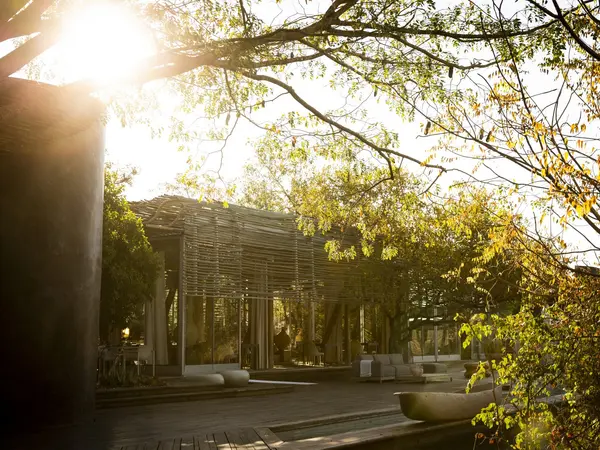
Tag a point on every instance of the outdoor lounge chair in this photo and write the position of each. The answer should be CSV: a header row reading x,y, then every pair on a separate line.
x,y
311,353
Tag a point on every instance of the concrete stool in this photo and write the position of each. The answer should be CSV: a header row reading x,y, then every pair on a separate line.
x,y
434,368
207,379
235,378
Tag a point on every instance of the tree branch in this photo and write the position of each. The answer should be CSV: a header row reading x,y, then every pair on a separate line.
x,y
23,55
382,151
9,8
26,22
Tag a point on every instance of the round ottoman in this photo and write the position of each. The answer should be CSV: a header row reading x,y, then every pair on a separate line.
x,y
235,377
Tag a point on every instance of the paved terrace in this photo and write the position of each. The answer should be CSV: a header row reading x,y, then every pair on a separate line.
x,y
133,425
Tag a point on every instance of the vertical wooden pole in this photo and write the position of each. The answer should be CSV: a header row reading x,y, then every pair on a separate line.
x,y
271,333
312,320
270,319
161,332
240,305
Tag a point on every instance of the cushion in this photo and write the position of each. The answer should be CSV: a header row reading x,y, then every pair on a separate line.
x,y
403,370
389,371
365,357
396,359
380,370
383,359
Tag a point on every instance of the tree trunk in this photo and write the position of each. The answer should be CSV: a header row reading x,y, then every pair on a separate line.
x,y
399,326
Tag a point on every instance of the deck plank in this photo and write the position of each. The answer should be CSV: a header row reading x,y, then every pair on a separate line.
x,y
268,437
210,439
221,441
200,443
186,443
256,440
235,440
167,445
248,444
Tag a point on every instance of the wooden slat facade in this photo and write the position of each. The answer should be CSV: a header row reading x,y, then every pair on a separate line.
x,y
234,252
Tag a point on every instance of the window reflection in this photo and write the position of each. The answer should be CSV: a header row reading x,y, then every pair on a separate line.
x,y
448,339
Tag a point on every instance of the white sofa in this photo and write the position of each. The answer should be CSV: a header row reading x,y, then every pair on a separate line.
x,y
383,367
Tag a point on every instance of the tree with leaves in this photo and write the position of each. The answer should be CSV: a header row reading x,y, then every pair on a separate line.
x,y
416,253
129,265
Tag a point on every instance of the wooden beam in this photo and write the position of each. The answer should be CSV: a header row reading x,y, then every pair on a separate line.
x,y
27,52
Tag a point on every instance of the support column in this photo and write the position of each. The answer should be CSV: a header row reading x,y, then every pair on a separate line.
x,y
149,325
181,308
347,337
51,199
361,323
311,320
160,315
435,342
332,334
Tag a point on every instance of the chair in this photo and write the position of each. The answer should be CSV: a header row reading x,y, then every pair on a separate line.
x,y
130,353
311,353
108,356
146,353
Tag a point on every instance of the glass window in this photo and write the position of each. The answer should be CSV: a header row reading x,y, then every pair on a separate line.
x,y
198,331
416,347
212,333
372,328
448,343
226,334
428,340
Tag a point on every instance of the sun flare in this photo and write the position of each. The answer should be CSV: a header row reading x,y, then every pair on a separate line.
x,y
103,42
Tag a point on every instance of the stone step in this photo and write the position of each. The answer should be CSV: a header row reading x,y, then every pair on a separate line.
x,y
143,391
189,396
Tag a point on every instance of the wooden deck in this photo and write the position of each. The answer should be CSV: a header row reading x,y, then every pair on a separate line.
x,y
246,439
